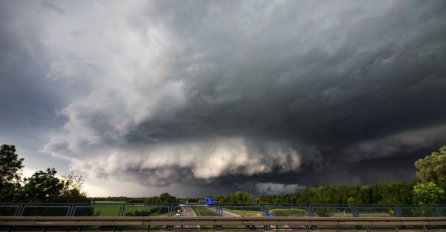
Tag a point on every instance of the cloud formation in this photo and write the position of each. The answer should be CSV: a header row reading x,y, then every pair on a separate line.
x,y
215,92
186,162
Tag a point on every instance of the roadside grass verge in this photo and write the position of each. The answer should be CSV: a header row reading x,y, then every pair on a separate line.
x,y
246,213
203,212
289,212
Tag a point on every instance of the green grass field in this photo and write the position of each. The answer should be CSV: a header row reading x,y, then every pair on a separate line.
x,y
109,202
146,211
246,213
202,212
107,208
135,211
289,212
333,213
112,208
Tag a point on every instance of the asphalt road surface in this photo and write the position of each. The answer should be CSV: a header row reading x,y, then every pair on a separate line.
x,y
225,213
187,211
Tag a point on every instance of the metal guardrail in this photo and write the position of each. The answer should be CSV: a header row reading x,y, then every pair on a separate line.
x,y
216,220
61,209
107,209
16,215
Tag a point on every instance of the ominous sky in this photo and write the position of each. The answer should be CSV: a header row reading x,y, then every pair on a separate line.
x,y
207,97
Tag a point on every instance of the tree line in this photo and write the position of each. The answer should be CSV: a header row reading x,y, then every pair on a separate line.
x,y
42,186
427,188
163,198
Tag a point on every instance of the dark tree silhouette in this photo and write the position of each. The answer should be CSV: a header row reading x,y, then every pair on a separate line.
x,y
10,173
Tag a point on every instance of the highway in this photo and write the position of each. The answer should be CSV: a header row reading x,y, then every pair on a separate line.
x,y
187,211
229,214
225,212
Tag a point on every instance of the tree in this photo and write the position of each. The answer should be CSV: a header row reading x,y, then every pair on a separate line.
x,y
43,187
163,198
10,173
400,193
40,187
72,189
428,193
243,198
167,198
364,195
351,201
432,168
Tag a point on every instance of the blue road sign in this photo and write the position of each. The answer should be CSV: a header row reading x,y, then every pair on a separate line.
x,y
210,201
268,214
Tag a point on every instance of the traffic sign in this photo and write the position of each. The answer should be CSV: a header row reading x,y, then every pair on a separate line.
x,y
210,201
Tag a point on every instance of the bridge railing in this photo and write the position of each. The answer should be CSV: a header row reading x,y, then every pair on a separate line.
x,y
216,220
246,210
77,217
334,210
61,209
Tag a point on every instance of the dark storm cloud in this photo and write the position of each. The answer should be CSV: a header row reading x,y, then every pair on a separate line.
x,y
28,99
217,93
376,76
364,86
